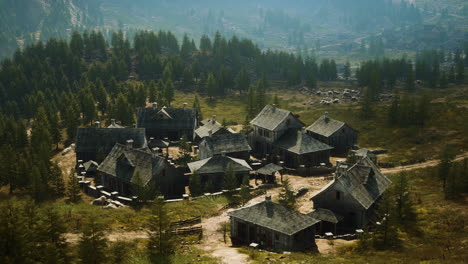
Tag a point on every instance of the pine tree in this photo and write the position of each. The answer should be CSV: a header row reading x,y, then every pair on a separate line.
x,y
386,234
195,185
245,191
230,179
460,72
260,96
347,70
93,242
73,188
404,205
140,189
242,81
409,81
123,111
55,131
197,106
446,158
287,197
393,111
169,92
54,245
311,81
211,86
161,242
251,107
56,180
38,186
443,81
152,91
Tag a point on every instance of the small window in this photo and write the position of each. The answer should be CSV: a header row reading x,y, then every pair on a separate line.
x,y
339,195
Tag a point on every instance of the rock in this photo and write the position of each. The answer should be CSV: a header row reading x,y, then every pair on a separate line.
x,y
110,206
101,201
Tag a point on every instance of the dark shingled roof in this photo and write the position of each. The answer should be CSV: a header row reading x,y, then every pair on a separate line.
x,y
218,164
275,217
90,166
363,181
270,117
299,142
363,152
123,163
227,143
167,118
325,126
269,169
212,125
95,139
326,215
114,125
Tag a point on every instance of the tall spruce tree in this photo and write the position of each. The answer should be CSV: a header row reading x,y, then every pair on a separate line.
x,y
161,242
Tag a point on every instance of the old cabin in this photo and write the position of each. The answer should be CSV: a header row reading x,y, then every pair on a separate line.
x,y
233,145
279,135
95,143
171,123
119,172
211,127
273,227
353,193
335,133
212,170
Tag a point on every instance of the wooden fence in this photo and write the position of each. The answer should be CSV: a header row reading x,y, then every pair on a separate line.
x,y
187,222
187,231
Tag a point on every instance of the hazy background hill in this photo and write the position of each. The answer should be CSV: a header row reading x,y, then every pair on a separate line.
x,y
318,27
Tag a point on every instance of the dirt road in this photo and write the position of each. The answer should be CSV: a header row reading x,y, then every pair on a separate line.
x,y
430,163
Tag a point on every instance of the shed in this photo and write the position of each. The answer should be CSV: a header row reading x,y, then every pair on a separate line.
x,y
273,226
233,145
268,172
211,127
329,220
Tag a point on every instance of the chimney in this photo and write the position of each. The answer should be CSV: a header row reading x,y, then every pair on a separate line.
x,y
129,144
97,124
274,107
113,122
210,133
213,119
185,105
268,197
155,105
326,117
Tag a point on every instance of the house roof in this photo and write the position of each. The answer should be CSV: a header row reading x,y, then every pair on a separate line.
x,y
363,181
114,125
270,117
96,139
212,125
363,152
325,126
299,142
123,163
269,169
275,217
158,143
227,143
218,164
90,165
167,118
326,215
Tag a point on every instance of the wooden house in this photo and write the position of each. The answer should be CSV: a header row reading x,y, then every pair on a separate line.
x,y
335,133
273,227
213,170
171,123
210,127
279,135
353,193
95,143
233,145
118,173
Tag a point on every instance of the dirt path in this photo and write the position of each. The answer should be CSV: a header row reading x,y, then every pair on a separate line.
x,y
430,163
213,241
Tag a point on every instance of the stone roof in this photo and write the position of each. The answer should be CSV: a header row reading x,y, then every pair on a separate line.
x,y
299,142
275,217
123,162
363,181
218,164
167,118
326,215
96,139
325,126
227,143
269,169
213,125
270,117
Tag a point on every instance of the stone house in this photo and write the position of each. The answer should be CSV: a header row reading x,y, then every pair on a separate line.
x,y
273,227
335,133
353,193
118,172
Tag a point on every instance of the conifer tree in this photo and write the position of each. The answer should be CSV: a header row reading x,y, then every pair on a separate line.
x,y
460,72
211,86
230,179
53,243
123,111
57,183
404,205
152,91
195,185
73,188
386,234
260,96
245,191
161,242
409,80
92,246
169,92
347,70
197,106
242,81
38,186
251,107
287,197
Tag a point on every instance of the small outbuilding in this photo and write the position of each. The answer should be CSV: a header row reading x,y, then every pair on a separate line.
x,y
329,220
233,145
267,172
211,127
273,227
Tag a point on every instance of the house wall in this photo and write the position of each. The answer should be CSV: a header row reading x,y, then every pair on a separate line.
x,y
205,150
243,232
354,214
218,179
342,140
